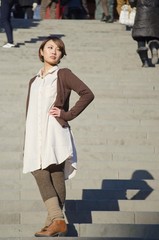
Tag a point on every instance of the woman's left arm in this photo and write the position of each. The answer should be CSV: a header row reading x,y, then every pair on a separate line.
x,y
86,95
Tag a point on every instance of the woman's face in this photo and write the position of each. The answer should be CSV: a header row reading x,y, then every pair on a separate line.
x,y
51,53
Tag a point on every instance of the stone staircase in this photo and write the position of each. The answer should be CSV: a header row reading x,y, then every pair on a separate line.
x,y
115,194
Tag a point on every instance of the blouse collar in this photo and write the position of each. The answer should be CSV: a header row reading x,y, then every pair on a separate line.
x,y
51,70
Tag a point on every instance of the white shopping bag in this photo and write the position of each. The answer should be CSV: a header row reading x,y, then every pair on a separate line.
x,y
124,14
127,15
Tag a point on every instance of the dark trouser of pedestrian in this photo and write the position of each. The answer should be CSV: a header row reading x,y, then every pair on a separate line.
x,y
75,13
143,41
85,9
22,11
6,6
28,11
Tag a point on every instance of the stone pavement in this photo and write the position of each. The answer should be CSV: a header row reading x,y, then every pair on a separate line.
x,y
115,194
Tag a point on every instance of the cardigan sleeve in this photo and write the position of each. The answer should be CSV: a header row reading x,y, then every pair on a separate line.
x,y
86,96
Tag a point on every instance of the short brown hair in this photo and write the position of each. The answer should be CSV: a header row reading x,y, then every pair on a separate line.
x,y
57,41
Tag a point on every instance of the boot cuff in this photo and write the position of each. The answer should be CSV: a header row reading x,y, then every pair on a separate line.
x,y
142,49
154,43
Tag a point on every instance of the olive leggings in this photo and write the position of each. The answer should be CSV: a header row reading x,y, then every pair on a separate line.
x,y
51,182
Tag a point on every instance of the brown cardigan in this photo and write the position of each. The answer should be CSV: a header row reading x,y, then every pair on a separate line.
x,y
66,82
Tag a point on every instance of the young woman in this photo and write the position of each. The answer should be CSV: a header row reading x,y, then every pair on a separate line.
x,y
49,151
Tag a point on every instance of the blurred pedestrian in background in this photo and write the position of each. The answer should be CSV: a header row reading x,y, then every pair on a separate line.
x,y
48,6
108,10
6,7
25,8
74,9
85,9
146,30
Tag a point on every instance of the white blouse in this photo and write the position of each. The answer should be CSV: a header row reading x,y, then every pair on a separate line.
x,y
46,141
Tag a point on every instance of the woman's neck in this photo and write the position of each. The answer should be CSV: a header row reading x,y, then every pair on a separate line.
x,y
45,69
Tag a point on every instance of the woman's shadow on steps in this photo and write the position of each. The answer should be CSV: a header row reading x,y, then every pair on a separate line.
x,y
107,198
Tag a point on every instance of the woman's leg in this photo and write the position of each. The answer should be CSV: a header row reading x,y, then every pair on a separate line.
x,y
48,193
51,184
44,182
141,42
143,51
29,12
104,4
58,180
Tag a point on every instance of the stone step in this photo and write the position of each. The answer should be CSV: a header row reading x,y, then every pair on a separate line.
x,y
118,230
118,194
115,184
112,86
124,175
70,238
149,142
95,217
123,231
88,194
10,178
111,205
125,217
82,194
120,156
120,174
77,206
27,181
33,194
73,238
105,148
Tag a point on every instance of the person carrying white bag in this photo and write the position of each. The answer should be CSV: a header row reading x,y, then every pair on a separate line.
x,y
145,31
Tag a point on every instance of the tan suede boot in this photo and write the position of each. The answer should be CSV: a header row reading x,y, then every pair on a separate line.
x,y
48,221
54,213
56,229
